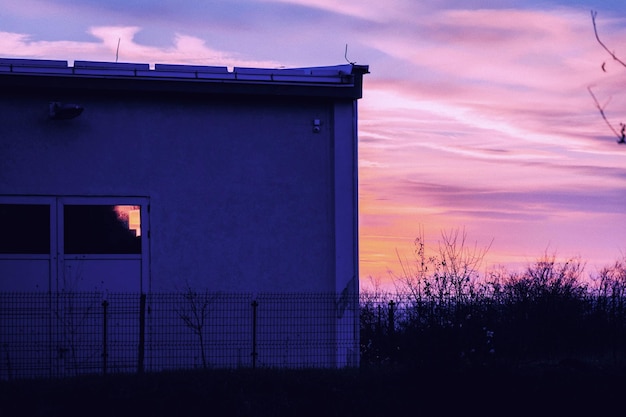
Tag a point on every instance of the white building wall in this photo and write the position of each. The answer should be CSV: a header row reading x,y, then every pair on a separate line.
x,y
241,192
250,195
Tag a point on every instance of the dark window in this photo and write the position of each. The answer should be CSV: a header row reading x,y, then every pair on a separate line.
x,y
100,229
25,228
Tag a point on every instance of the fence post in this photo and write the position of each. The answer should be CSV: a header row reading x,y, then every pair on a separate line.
x,y
391,331
255,304
391,325
105,304
379,324
142,333
8,361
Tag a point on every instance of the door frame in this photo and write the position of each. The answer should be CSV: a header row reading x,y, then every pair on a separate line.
x,y
57,257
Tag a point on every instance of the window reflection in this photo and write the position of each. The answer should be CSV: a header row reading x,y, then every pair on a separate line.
x,y
102,229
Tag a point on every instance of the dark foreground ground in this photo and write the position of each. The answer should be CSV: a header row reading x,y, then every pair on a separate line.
x,y
565,389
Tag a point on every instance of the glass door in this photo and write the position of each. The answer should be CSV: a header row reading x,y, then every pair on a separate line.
x,y
103,244
74,244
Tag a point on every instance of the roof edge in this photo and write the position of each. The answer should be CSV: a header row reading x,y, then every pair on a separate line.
x,y
343,80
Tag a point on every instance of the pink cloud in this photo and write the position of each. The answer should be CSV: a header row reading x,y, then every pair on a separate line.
x,y
475,118
456,133
186,49
387,11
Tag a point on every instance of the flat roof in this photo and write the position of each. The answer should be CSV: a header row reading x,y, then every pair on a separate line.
x,y
332,81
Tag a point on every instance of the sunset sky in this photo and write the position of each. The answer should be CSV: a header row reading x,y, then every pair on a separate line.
x,y
474,117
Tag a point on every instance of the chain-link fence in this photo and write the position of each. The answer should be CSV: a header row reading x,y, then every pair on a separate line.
x,y
45,335
65,334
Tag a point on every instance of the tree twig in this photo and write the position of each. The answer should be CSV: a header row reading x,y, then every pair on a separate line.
x,y
595,30
621,137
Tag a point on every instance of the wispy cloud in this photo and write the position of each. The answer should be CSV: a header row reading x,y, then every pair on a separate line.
x,y
472,116
118,43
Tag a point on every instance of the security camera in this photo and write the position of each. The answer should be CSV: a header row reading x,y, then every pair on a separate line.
x,y
59,111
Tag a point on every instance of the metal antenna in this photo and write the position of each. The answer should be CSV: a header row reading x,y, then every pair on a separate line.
x,y
117,53
345,55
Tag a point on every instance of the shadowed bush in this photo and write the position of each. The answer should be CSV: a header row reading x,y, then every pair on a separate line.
x,y
444,313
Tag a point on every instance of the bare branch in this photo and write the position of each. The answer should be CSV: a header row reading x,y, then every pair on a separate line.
x,y
621,136
595,30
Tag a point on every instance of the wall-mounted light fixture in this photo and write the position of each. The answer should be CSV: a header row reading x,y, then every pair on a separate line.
x,y
59,111
317,125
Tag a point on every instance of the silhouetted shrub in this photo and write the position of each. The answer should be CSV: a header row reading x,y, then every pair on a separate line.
x,y
549,312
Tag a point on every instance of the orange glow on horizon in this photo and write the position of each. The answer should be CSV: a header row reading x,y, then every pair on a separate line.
x,y
472,117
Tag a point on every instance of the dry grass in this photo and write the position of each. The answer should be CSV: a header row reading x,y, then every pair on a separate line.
x,y
569,388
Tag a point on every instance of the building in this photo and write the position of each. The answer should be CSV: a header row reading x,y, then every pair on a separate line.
x,y
127,178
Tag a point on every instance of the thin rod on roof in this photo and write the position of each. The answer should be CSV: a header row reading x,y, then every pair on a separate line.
x,y
345,55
